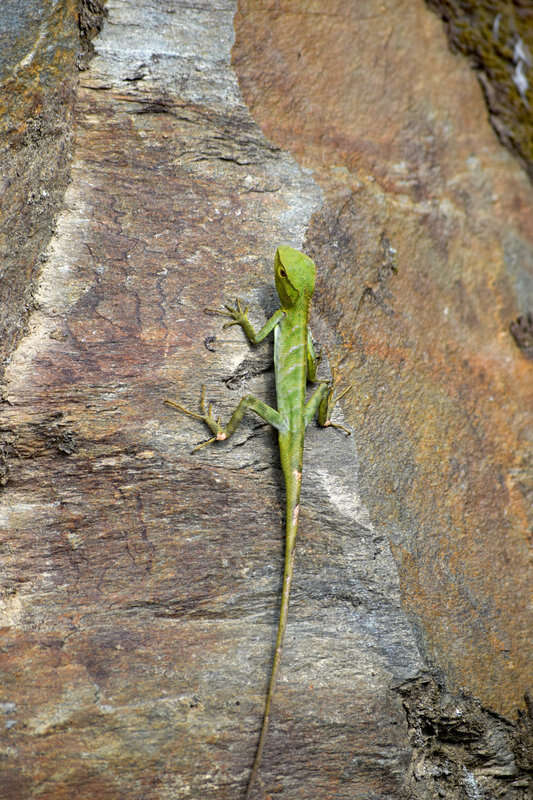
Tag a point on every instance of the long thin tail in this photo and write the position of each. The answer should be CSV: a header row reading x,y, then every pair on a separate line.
x,y
292,524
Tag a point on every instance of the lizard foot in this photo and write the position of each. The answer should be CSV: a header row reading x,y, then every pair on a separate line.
x,y
332,401
205,416
236,314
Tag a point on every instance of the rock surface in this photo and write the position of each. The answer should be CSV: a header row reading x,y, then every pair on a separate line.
x,y
414,178
141,583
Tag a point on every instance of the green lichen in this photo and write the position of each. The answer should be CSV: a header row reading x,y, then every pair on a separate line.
x,y
497,37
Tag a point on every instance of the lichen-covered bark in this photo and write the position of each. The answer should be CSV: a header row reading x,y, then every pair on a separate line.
x,y
497,37
37,81
43,46
463,750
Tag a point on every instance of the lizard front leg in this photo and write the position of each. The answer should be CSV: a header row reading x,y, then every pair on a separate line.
x,y
239,316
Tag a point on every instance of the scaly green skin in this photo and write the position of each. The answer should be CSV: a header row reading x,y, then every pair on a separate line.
x,y
294,363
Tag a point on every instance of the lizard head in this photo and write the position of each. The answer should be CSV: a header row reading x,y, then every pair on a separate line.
x,y
294,274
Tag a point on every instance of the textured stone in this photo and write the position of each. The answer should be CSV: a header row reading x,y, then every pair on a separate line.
x,y
39,43
140,582
395,129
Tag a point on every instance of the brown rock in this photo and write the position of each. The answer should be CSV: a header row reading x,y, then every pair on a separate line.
x,y
140,582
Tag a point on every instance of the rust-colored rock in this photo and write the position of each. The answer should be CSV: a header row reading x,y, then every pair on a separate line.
x,y
140,583
394,127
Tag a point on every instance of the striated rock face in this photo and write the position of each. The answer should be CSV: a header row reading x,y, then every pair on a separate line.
x,y
140,583
415,179
38,47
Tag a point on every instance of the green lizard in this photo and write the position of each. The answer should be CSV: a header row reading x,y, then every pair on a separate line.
x,y
295,362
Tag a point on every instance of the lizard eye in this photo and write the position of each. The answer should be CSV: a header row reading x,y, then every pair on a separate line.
x,y
283,273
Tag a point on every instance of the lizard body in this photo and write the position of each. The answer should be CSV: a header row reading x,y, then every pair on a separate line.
x,y
295,362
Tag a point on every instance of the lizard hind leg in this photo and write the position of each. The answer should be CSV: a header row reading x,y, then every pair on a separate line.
x,y
322,402
331,401
247,403
205,416
328,404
